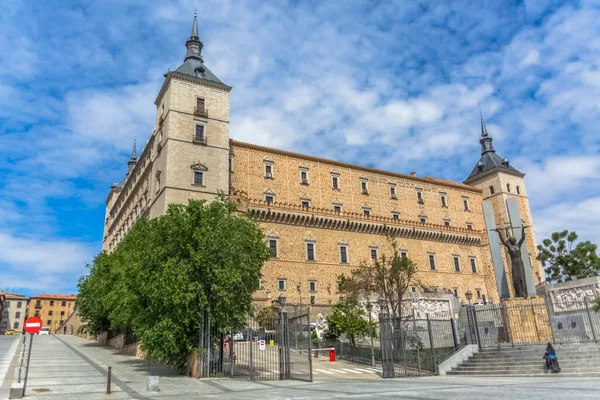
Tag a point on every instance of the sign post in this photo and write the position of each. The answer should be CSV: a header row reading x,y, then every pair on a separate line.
x,y
32,326
261,344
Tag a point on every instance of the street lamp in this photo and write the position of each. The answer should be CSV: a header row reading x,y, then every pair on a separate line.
x,y
382,304
369,309
469,296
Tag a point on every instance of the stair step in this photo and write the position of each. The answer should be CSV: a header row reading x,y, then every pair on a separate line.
x,y
529,375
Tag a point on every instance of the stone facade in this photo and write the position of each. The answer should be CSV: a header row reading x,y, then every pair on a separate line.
x,y
13,312
300,199
53,309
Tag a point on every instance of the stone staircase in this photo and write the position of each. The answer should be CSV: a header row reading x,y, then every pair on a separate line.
x,y
579,359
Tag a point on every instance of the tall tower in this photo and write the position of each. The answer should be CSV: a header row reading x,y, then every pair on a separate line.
x,y
191,136
502,185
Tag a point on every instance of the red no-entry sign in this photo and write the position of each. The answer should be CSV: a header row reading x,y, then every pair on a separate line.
x,y
33,325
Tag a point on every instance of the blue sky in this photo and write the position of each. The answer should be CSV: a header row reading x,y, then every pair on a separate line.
x,y
389,84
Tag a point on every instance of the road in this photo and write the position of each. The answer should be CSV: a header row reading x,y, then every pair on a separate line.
x,y
8,347
69,367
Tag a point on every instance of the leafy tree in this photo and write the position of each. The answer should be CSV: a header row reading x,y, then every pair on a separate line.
x,y
169,272
92,301
268,316
350,319
563,260
389,277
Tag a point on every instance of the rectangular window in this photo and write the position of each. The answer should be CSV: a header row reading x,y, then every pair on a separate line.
x,y
49,322
423,220
443,200
200,105
5,314
305,204
403,254
420,197
337,209
478,293
447,223
470,227
273,247
466,204
456,264
396,216
367,212
373,254
269,199
19,304
303,177
199,136
50,312
335,182
51,303
18,314
364,187
312,286
62,313
432,261
310,251
7,303
281,284
268,171
16,325
393,192
198,178
413,289
473,265
344,254
455,291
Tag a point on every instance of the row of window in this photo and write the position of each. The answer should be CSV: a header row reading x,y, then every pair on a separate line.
x,y
39,303
17,314
364,185
19,304
373,253
492,190
5,325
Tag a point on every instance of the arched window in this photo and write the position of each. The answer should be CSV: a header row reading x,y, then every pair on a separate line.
x,y
518,190
508,187
491,189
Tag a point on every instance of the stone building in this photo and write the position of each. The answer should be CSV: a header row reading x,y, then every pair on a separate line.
x,y
52,309
13,308
321,217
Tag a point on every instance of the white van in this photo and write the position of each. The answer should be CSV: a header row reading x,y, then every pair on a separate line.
x,y
44,331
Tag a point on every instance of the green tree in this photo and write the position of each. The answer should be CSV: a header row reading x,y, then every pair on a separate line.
x,y
92,300
268,316
389,277
563,260
350,319
168,272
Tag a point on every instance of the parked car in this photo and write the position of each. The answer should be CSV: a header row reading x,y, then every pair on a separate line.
x,y
10,332
44,331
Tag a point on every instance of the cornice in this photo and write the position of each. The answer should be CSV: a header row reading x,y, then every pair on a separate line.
x,y
477,178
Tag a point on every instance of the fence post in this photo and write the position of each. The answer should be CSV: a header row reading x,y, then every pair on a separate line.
x,y
587,308
416,333
454,336
231,355
309,343
476,327
251,360
431,344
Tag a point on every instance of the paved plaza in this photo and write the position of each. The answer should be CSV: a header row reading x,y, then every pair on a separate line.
x,y
69,367
8,347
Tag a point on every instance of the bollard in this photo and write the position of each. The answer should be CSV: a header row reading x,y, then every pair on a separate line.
x,y
153,384
331,354
108,380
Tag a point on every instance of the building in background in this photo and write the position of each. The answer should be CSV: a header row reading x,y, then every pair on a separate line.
x,y
321,217
13,310
52,309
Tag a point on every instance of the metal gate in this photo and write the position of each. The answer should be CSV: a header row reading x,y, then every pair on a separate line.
x,y
297,358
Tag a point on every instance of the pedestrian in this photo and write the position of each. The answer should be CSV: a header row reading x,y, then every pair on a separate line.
x,y
64,329
551,359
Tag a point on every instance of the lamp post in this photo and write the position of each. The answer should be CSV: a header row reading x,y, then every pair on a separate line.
x,y
469,296
369,309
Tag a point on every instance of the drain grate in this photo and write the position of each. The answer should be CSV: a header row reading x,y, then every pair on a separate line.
x,y
40,390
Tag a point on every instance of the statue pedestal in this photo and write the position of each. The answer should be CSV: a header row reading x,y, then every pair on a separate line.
x,y
526,320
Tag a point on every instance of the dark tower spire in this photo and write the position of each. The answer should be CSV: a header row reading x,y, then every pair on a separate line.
x,y
486,139
133,160
194,44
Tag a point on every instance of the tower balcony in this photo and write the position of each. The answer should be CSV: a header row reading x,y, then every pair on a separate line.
x,y
200,112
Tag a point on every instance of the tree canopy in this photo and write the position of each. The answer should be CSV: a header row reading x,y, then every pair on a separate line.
x,y
350,319
165,273
388,277
563,260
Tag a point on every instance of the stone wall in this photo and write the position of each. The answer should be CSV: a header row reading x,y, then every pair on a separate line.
x,y
117,342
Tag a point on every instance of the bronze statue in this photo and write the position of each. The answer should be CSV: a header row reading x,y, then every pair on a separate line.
x,y
518,268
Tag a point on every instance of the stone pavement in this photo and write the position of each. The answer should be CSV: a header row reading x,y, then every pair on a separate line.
x,y
74,368
8,348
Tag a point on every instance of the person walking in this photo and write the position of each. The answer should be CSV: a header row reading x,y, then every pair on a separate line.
x,y
64,329
551,359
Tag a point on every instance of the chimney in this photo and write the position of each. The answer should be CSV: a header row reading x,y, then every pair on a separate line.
x,y
413,174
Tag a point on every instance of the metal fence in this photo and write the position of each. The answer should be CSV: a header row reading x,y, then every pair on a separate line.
x,y
415,347
532,321
298,345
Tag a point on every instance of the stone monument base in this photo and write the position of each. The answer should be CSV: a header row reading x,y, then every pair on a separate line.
x,y
526,320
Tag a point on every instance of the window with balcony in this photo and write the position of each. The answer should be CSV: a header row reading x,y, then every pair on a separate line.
x,y
337,208
367,212
395,215
304,176
423,220
335,181
200,109
268,171
269,199
305,205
